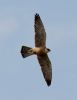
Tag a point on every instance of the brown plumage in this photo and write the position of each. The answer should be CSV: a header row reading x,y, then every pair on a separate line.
x,y
40,50
40,34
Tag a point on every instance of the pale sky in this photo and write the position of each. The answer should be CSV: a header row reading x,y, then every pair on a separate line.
x,y
21,79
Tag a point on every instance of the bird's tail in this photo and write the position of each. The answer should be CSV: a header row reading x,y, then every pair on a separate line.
x,y
26,51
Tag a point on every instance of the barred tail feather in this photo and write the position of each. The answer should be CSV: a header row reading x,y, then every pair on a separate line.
x,y
26,51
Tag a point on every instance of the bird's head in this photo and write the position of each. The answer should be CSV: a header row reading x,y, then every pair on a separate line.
x,y
47,50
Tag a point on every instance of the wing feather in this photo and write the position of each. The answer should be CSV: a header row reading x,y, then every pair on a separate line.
x,y
45,67
40,34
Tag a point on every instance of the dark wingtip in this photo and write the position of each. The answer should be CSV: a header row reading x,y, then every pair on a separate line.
x,y
48,82
36,15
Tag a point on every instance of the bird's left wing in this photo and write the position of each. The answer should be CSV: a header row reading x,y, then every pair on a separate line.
x,y
45,67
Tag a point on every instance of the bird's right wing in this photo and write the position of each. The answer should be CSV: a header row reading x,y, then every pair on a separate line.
x,y
40,34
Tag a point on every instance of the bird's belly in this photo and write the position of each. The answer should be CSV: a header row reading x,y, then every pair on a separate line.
x,y
38,50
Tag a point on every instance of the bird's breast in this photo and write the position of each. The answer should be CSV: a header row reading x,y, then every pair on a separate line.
x,y
39,50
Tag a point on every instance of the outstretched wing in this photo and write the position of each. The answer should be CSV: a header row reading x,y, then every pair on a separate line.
x,y
46,68
40,34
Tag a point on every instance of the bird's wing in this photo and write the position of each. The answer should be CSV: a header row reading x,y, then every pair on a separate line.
x,y
40,34
46,68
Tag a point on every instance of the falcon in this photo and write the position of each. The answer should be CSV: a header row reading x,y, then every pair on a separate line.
x,y
40,49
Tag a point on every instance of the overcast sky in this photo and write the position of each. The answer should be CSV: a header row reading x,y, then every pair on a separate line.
x,y
21,79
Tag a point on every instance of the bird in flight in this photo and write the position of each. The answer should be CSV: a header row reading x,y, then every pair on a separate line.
x,y
40,49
